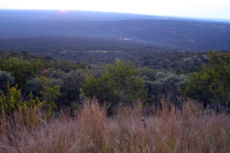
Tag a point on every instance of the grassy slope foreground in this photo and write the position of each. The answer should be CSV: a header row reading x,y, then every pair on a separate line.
x,y
189,130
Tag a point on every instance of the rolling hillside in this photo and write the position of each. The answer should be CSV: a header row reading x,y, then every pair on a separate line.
x,y
154,30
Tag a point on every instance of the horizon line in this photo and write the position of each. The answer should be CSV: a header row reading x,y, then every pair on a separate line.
x,y
115,12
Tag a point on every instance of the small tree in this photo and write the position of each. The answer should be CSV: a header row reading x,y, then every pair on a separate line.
x,y
126,82
120,84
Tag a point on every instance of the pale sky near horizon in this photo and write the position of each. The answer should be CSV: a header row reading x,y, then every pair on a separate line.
x,y
219,9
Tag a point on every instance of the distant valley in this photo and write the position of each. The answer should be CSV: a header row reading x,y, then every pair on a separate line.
x,y
167,32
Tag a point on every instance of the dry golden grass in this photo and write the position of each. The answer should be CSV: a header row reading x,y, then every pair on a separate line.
x,y
189,130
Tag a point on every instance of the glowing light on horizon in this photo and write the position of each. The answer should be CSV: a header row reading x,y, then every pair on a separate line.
x,y
63,10
189,8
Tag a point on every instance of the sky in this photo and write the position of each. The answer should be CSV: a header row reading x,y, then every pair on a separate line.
x,y
218,9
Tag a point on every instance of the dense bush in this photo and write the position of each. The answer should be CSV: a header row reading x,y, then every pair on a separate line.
x,y
66,84
211,84
120,84
166,86
45,89
22,70
12,102
5,80
53,81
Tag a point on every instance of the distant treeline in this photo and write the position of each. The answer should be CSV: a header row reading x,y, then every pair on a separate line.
x,y
95,50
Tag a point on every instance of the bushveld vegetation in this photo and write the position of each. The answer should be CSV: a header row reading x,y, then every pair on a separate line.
x,y
52,106
57,84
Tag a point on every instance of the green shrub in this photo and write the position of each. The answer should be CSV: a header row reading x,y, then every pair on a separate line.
x,y
12,101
